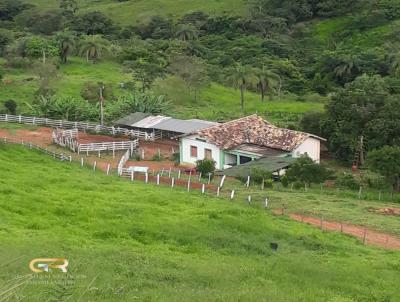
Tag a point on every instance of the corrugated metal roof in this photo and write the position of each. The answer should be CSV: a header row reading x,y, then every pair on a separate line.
x,y
132,118
150,121
183,126
271,164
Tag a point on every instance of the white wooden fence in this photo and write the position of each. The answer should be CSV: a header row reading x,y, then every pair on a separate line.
x,y
109,146
150,136
29,145
123,161
68,139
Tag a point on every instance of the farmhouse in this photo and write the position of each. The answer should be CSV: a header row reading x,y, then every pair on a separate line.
x,y
160,126
249,139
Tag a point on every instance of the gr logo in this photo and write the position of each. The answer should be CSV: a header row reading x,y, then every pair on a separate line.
x,y
40,265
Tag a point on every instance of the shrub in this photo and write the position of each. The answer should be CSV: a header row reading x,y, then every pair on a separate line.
x,y
305,170
285,181
205,167
11,106
347,181
157,157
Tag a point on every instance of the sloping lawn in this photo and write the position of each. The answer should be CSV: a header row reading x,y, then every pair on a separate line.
x,y
128,242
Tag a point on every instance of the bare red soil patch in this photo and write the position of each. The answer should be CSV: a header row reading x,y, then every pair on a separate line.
x,y
85,138
386,211
166,147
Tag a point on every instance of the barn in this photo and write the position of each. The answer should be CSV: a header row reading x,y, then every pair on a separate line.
x,y
160,126
246,140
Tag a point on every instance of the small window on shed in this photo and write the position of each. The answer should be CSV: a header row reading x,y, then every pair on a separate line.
x,y
193,151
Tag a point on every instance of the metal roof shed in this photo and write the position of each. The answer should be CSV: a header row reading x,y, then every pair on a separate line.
x,y
182,126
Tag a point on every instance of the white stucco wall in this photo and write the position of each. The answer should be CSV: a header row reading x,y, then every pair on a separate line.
x,y
311,146
187,142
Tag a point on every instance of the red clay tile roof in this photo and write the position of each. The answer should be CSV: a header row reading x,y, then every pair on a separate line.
x,y
253,130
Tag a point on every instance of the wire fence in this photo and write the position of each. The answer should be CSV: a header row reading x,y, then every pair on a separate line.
x,y
218,187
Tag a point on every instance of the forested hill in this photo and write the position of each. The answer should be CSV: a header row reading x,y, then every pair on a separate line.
x,y
194,58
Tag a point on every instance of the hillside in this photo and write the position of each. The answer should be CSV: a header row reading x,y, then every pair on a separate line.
x,y
134,241
134,11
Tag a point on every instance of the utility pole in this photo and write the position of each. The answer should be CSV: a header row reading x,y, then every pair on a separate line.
x,y
101,98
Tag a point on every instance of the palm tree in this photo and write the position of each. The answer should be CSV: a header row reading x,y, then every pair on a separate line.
x,y
92,47
242,77
66,41
347,67
186,33
266,81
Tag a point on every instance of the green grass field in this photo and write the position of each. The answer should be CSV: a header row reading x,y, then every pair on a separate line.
x,y
138,11
129,242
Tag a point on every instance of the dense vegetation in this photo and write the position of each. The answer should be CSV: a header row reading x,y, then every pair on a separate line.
x,y
282,57
129,241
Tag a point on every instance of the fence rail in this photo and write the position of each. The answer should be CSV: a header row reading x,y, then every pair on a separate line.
x,y
60,156
151,136
109,146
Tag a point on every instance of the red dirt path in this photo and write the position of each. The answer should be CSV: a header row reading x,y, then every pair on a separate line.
x,y
368,236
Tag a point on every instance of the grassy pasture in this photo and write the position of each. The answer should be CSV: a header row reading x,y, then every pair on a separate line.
x,y
134,241
137,11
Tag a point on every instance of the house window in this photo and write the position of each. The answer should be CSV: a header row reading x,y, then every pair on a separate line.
x,y
208,154
193,151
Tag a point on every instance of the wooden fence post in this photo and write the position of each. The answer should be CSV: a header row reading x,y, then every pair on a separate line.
x,y
158,179
222,181
365,236
248,181
108,169
132,175
81,162
249,199
266,202
172,182
203,188
188,185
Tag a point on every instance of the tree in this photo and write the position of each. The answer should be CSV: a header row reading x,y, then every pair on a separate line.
x,y
144,71
11,8
93,23
68,7
348,67
267,80
66,42
47,73
92,47
350,111
306,171
242,77
386,161
39,22
186,32
191,70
